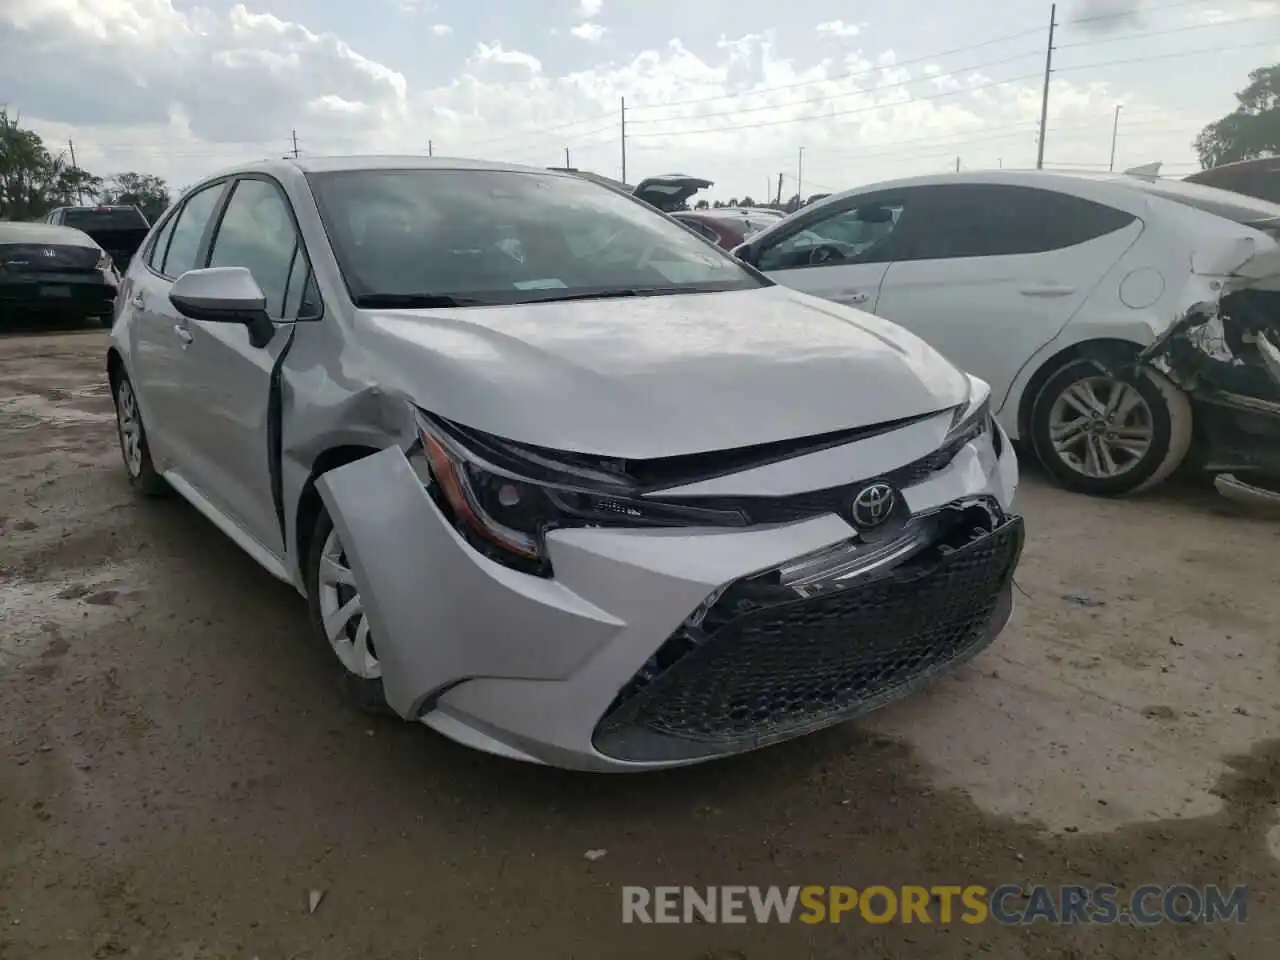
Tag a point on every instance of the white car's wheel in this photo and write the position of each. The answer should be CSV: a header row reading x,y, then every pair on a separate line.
x,y
338,617
133,441
1110,436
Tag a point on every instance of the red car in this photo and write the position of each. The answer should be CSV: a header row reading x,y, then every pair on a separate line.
x,y
727,227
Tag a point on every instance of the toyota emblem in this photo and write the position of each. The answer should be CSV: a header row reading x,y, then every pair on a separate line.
x,y
873,506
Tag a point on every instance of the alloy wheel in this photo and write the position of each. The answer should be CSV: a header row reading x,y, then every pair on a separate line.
x,y
1101,427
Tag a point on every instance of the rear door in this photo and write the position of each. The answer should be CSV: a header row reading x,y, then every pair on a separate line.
x,y
227,380
157,340
840,252
992,272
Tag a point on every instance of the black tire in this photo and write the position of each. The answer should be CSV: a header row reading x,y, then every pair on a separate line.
x,y
141,471
1171,429
364,693
106,320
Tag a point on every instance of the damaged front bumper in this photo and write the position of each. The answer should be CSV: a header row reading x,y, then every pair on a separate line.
x,y
662,647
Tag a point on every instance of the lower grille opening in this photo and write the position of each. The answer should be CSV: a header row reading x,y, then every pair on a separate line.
x,y
777,654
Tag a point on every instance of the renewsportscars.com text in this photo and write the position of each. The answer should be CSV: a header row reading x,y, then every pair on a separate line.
x,y
1009,904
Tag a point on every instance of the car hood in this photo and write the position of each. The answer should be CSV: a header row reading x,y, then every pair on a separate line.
x,y
659,376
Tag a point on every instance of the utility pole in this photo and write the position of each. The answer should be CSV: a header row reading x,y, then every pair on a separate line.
x,y
957,164
800,180
1115,129
779,200
624,139
567,164
1044,100
79,186
295,144
431,149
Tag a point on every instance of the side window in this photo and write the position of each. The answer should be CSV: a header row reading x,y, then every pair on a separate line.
x,y
847,235
993,220
188,230
161,245
257,232
301,298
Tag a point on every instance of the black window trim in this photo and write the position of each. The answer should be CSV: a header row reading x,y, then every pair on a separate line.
x,y
825,212
215,223
174,212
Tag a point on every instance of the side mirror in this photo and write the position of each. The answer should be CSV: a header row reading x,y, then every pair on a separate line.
x,y
224,295
744,253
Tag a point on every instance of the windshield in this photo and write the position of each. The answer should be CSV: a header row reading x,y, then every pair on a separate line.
x,y
490,237
113,218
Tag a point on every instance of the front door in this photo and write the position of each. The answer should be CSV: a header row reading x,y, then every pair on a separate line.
x,y
227,379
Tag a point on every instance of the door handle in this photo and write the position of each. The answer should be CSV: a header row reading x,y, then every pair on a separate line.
x,y
183,333
138,301
852,296
1047,290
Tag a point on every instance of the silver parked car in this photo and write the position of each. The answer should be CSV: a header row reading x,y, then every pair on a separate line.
x,y
559,478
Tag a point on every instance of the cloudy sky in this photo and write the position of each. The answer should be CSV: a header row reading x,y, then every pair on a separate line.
x,y
727,89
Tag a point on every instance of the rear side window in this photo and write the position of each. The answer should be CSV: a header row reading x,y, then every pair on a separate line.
x,y
981,220
188,230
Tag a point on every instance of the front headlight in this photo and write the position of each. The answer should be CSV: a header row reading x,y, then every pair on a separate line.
x,y
504,500
971,420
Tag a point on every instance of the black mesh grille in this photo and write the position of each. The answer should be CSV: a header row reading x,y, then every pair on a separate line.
x,y
787,669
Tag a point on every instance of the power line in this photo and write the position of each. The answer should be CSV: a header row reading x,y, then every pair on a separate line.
x,y
845,76
1166,56
849,93
838,113
1162,33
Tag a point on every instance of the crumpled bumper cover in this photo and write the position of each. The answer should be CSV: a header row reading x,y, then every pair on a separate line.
x,y
529,667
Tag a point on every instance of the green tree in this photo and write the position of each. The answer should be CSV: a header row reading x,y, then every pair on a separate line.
x,y
1250,130
701,205
747,201
144,190
33,180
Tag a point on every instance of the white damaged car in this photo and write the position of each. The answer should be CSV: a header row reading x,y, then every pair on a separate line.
x,y
558,478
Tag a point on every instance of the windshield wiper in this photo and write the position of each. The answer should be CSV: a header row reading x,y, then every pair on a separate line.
x,y
410,301
612,293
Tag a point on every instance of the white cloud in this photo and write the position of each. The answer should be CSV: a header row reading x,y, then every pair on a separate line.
x,y
497,53
838,28
590,32
589,8
441,29
182,91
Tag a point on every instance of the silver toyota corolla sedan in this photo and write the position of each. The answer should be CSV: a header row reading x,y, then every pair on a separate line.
x,y
557,477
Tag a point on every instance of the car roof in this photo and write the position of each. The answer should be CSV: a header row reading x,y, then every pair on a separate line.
x,y
16,232
1090,185
338,164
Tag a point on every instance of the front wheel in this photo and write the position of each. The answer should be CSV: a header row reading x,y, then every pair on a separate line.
x,y
1109,436
338,617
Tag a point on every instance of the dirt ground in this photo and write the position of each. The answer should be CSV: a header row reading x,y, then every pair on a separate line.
x,y
177,773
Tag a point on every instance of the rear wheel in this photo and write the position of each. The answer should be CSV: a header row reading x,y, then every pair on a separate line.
x,y
1110,436
133,441
338,617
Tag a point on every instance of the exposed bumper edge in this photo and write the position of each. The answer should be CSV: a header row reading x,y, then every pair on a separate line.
x,y
438,610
